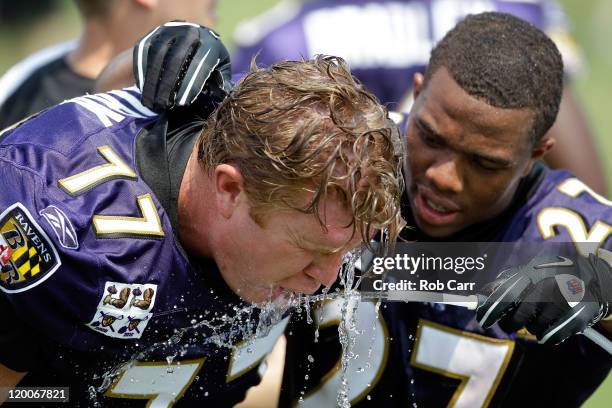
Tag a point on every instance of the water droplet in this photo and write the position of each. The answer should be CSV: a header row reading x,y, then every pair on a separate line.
x,y
193,321
369,398
310,359
306,377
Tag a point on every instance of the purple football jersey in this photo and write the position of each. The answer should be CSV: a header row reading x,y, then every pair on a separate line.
x,y
384,42
92,275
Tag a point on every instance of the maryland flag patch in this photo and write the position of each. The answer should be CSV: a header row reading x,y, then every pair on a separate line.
x,y
27,256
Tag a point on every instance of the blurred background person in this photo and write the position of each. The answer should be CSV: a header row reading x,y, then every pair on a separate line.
x,y
387,41
69,69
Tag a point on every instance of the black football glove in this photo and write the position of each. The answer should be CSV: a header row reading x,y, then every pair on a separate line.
x,y
177,61
553,297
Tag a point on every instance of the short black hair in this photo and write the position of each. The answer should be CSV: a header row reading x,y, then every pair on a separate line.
x,y
505,61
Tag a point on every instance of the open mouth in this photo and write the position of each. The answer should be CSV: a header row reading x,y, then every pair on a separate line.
x,y
434,211
438,208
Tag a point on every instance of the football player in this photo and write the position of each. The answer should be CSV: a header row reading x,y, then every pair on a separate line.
x,y
387,41
474,138
138,243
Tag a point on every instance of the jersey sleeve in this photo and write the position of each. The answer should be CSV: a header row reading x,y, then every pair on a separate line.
x,y
21,266
18,350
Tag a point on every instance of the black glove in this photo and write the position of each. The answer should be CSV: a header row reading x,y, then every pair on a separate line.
x,y
177,61
553,297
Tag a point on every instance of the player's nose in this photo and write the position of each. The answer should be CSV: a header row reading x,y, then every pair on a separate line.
x,y
326,268
445,175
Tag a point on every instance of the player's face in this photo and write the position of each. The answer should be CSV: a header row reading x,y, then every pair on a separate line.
x,y
290,250
465,157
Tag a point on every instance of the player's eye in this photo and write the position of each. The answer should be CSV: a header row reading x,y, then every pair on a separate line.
x,y
486,165
429,139
426,135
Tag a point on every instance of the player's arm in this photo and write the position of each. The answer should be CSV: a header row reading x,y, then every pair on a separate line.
x,y
8,379
172,65
16,348
575,149
554,297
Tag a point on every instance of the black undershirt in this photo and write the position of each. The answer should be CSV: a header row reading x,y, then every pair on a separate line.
x,y
48,85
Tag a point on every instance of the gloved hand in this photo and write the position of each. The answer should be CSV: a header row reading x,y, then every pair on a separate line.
x,y
176,62
553,297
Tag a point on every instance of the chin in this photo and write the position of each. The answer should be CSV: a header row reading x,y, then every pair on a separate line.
x,y
437,231
260,296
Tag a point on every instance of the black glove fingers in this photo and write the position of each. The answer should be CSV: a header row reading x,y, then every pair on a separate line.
x,y
140,55
575,320
545,314
203,63
174,62
180,55
518,318
503,299
154,67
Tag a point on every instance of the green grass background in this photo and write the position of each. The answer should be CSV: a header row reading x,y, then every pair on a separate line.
x,y
592,27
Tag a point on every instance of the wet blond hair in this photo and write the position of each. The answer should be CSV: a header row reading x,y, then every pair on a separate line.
x,y
307,129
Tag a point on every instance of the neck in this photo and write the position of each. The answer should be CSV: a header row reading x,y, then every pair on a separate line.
x,y
196,211
94,50
105,37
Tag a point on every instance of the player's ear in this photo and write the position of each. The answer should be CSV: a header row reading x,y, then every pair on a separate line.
x,y
417,84
229,185
539,150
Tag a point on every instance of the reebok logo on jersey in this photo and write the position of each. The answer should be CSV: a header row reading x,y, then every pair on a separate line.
x,y
61,225
28,255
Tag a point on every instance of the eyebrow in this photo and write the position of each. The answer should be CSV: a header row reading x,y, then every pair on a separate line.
x,y
311,246
481,156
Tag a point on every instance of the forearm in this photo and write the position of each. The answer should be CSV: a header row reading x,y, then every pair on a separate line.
x,y
8,379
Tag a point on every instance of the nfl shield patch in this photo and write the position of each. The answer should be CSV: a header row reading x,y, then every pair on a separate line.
x,y
27,256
